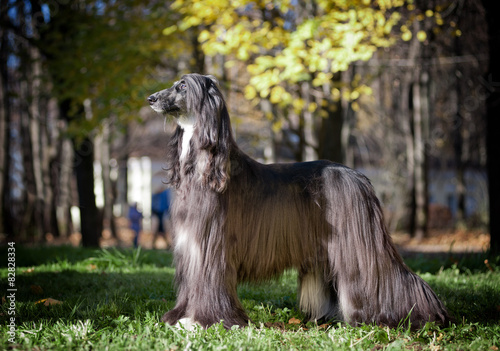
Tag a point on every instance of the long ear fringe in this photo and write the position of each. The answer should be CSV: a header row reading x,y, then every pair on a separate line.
x,y
173,164
213,131
218,176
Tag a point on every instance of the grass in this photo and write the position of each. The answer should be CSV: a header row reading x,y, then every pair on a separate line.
x,y
113,300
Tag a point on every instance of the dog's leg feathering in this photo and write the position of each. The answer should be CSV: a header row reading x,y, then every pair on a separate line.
x,y
206,286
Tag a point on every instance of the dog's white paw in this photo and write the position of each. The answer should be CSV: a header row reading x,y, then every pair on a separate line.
x,y
187,324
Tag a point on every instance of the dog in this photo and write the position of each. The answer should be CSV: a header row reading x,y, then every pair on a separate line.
x,y
237,220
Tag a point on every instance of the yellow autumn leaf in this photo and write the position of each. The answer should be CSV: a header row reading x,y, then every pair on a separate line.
x,y
312,107
298,104
276,94
169,30
421,35
277,126
250,92
202,37
406,36
49,302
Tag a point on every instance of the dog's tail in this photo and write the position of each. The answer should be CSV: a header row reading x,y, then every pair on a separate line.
x,y
372,282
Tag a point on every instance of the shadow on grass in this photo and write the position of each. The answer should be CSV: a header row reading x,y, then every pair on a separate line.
x,y
91,284
42,255
92,295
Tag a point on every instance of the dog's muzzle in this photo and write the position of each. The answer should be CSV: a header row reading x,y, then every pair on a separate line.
x,y
152,99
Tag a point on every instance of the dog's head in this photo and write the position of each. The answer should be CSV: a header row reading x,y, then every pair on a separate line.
x,y
187,97
170,101
196,101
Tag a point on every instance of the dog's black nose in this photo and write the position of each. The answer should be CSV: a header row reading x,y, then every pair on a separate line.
x,y
152,99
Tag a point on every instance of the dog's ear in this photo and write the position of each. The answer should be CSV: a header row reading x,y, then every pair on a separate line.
x,y
214,134
214,80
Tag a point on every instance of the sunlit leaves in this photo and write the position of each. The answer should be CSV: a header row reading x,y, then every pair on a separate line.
x,y
282,45
285,43
421,35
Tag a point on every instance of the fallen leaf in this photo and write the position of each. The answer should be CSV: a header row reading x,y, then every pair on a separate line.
x,y
49,302
294,320
36,289
486,262
91,267
323,326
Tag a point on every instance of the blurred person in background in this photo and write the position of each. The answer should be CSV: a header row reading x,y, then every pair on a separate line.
x,y
135,218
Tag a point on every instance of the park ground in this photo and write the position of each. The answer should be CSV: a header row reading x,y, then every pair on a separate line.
x,y
68,297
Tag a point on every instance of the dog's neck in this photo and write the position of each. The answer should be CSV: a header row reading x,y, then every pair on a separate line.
x,y
187,125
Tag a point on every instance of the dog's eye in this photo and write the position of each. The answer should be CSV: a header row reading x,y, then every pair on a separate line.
x,y
181,86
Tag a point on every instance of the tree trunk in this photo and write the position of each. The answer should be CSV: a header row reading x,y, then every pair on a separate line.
x,y
420,119
410,95
91,224
40,151
5,216
65,171
122,181
458,144
83,162
309,152
406,126
270,110
31,223
493,123
109,198
333,134
198,55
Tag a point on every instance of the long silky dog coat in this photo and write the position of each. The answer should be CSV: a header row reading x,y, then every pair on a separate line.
x,y
236,220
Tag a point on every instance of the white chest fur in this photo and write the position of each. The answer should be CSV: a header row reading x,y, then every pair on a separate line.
x,y
187,126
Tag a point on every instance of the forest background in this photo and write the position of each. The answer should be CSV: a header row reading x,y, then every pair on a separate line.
x,y
404,90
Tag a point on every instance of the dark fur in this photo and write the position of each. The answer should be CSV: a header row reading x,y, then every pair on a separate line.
x,y
237,220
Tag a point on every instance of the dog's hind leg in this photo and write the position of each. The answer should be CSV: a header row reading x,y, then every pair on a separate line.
x,y
317,298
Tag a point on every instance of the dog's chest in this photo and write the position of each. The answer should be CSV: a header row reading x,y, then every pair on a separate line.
x,y
188,129
186,139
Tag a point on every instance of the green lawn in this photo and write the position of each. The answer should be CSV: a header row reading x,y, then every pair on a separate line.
x,y
113,300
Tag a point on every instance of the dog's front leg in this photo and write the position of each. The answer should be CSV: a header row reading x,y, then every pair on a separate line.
x,y
207,288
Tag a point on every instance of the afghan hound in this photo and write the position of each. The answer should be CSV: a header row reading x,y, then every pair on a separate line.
x,y
237,220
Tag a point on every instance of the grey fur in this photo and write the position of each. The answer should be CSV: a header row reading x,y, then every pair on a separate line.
x,y
237,220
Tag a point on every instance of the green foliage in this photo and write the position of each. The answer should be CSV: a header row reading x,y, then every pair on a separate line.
x,y
105,53
116,259
114,300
